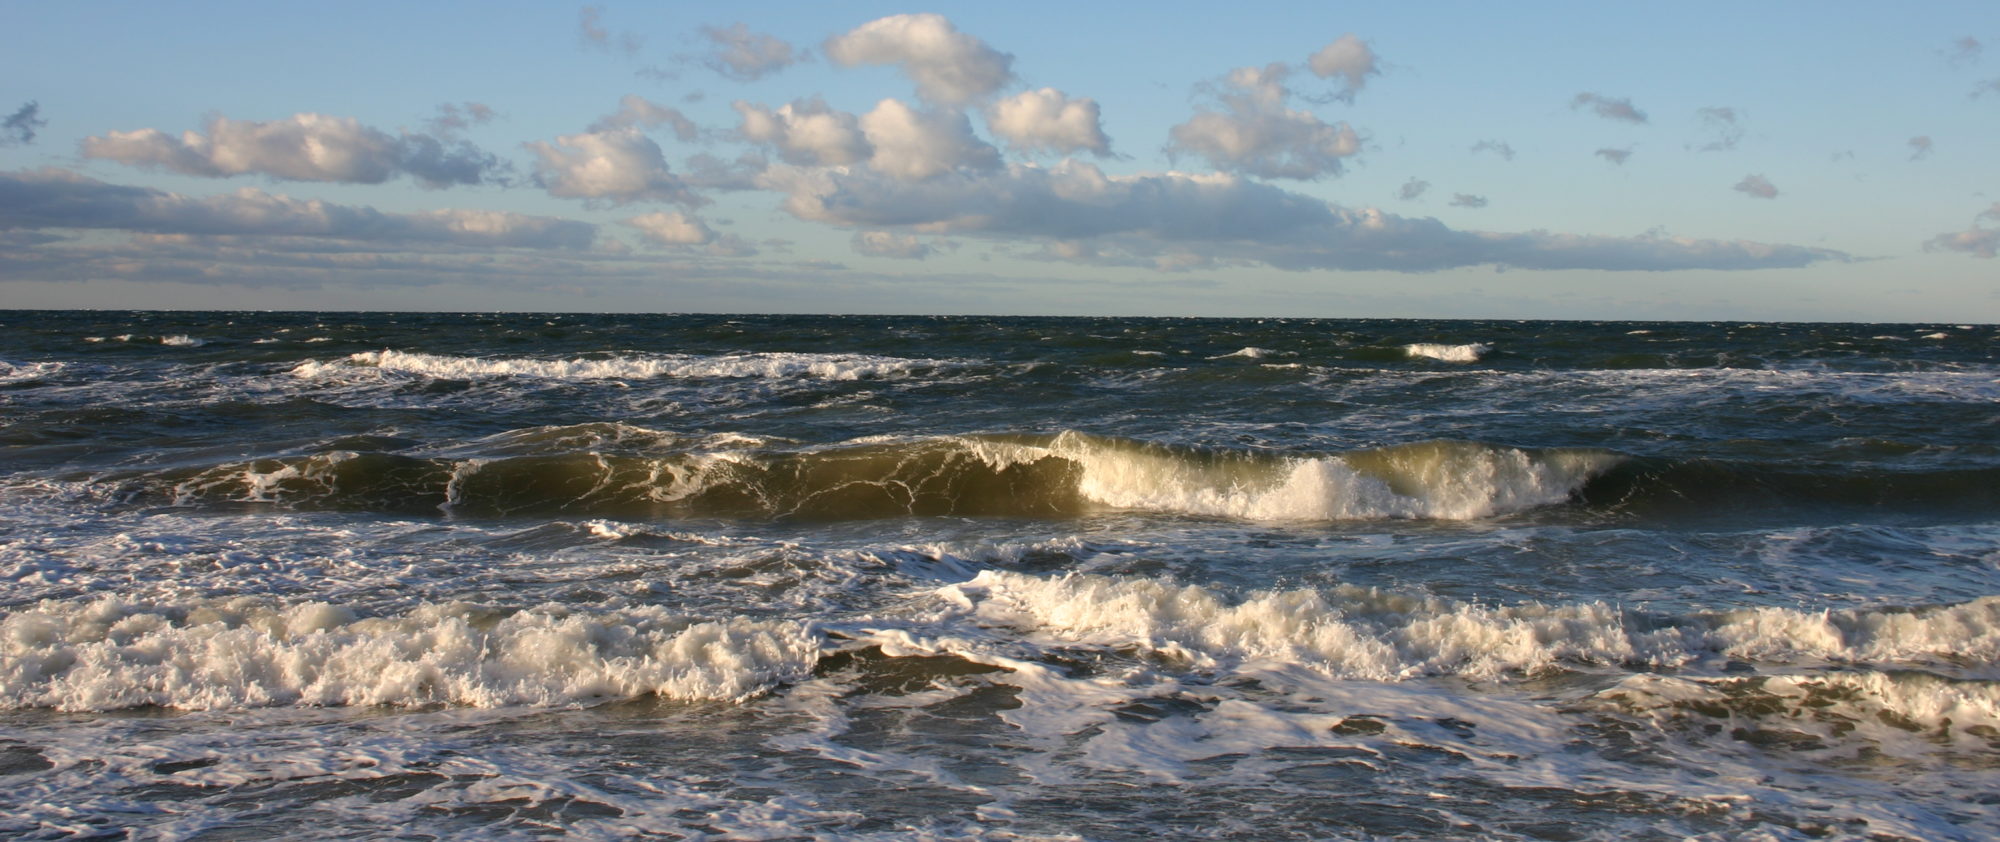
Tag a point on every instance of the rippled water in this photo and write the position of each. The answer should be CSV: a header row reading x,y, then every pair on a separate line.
x,y
521,576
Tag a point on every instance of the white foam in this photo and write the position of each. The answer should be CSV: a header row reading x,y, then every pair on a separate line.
x,y
182,341
1250,353
1355,633
769,365
1435,480
1469,353
11,372
244,652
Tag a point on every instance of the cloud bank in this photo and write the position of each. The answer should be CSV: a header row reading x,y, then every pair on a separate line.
x,y
53,198
302,147
1218,218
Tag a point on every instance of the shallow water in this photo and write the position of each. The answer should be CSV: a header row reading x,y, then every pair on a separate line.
x,y
516,576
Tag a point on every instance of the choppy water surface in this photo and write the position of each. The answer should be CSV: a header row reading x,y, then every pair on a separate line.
x,y
522,576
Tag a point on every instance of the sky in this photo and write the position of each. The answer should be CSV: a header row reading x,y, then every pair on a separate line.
x,y
1828,161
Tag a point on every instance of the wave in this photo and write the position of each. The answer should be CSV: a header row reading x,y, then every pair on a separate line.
x,y
1359,633
11,372
764,365
243,652
1247,352
1469,353
651,473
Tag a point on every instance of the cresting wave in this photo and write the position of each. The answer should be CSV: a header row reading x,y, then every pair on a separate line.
x,y
1468,353
622,367
1065,474
245,652
1359,633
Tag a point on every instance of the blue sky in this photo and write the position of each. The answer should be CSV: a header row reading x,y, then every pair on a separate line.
x,y
1824,161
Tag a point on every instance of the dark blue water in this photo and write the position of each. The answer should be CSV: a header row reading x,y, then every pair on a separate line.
x,y
520,575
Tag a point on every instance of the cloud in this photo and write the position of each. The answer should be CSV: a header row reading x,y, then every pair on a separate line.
x,y
1496,147
805,132
1608,108
19,127
1920,147
1412,189
1615,155
707,172
635,111
949,66
302,147
1974,240
591,32
674,229
1219,218
1349,58
886,244
617,166
682,232
747,56
1048,120
1724,125
913,144
452,119
1467,200
1986,87
1757,186
1964,51
1257,135
53,198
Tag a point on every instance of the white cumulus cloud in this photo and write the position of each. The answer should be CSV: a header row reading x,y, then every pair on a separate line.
x,y
1256,134
948,66
1048,120
1349,58
616,166
914,144
805,132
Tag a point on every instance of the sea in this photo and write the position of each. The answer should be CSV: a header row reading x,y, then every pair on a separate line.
x,y
329,576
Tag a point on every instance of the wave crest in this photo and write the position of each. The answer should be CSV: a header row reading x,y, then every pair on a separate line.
x,y
1033,476
243,652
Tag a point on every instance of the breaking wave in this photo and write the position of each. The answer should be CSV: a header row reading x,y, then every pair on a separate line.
x,y
620,367
1469,353
245,652
1064,474
1358,633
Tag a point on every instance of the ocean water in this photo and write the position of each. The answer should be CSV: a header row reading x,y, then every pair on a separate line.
x,y
529,576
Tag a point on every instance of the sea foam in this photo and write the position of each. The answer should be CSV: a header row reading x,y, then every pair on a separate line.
x,y
1469,353
246,652
1356,633
771,365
